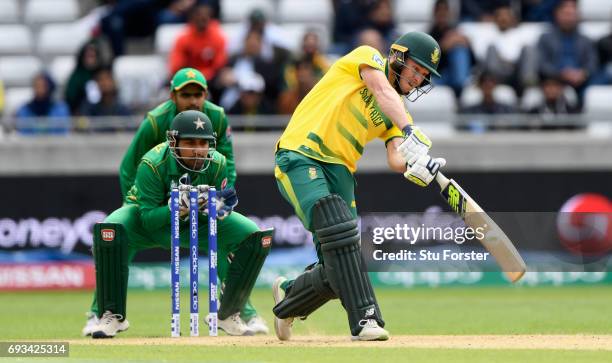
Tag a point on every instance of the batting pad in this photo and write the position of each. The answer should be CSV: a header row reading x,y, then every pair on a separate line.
x,y
246,262
338,233
110,250
309,292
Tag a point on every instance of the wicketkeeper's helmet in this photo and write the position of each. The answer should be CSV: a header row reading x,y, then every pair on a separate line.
x,y
191,124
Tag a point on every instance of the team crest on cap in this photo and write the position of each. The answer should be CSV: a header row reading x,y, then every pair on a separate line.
x,y
190,74
435,55
312,173
199,124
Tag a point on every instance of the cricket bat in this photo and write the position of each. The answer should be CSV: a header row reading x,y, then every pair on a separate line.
x,y
495,240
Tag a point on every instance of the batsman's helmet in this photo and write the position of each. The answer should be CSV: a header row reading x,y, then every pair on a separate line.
x,y
191,124
421,48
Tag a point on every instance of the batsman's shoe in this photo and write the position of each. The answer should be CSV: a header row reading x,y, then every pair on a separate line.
x,y
282,327
110,324
371,331
91,324
258,325
233,325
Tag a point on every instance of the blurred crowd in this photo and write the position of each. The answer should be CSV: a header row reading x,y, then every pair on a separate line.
x,y
257,73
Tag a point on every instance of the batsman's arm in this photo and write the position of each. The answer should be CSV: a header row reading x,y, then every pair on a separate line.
x,y
150,195
145,138
395,160
389,101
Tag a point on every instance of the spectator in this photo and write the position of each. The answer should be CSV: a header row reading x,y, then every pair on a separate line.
x,y
565,52
604,50
89,60
251,100
201,45
274,43
176,12
457,57
372,38
554,101
106,102
305,79
487,82
349,17
310,54
478,10
249,61
380,17
43,105
538,10
505,57
129,18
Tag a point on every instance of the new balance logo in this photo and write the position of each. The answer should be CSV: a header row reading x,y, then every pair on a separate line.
x,y
369,312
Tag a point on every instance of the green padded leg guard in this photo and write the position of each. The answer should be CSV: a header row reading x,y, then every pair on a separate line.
x,y
309,292
110,250
338,233
246,262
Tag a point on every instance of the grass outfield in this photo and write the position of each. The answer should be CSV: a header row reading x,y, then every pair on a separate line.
x,y
424,314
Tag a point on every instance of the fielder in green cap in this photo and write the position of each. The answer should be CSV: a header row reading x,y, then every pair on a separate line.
x,y
188,91
188,157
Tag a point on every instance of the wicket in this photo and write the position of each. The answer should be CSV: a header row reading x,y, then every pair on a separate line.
x,y
193,261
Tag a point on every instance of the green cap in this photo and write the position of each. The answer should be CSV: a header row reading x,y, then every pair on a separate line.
x,y
186,76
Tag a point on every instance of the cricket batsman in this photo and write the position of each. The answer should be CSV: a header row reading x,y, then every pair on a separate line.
x,y
358,99
144,222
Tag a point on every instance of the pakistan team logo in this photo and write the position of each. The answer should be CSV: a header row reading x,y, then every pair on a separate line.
x,y
312,173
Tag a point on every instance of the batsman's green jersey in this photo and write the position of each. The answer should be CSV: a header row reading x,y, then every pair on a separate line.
x,y
146,215
152,131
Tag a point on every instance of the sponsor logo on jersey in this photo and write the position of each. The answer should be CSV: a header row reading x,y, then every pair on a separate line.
x,y
376,58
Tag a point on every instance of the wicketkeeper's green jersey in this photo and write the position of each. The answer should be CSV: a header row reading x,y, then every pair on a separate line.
x,y
152,131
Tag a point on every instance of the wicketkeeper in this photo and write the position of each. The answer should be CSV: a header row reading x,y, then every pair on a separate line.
x,y
144,222
358,100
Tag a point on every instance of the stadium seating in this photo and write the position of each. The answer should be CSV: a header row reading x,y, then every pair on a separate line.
x,y
595,9
502,93
47,11
239,10
15,97
597,100
9,11
61,67
19,70
139,78
410,10
312,11
15,39
165,36
64,38
294,34
440,101
595,30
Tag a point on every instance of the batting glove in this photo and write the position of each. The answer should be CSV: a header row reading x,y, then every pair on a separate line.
x,y
415,144
424,170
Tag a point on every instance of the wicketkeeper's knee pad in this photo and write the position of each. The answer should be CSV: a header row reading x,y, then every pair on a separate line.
x,y
309,292
245,265
338,232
